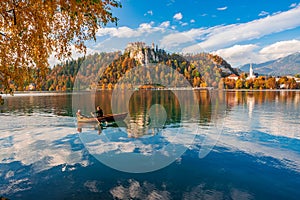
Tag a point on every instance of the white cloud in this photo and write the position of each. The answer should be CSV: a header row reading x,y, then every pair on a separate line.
x,y
225,36
149,12
170,2
263,13
178,16
239,54
243,54
192,21
184,24
179,38
281,49
117,32
228,39
146,26
116,39
222,8
165,24
293,5
126,32
52,60
276,13
111,39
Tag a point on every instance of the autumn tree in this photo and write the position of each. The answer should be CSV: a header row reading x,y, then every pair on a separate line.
x,y
229,83
32,30
282,80
292,84
271,83
239,84
258,84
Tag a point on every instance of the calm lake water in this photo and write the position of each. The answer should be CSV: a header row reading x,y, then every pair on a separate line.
x,y
172,145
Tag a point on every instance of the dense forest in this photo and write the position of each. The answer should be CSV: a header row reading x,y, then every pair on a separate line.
x,y
143,65
86,69
104,70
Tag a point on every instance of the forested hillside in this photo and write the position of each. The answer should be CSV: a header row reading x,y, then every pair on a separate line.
x,y
104,70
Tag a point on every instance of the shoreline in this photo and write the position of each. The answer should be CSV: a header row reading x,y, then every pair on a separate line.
x,y
261,90
45,93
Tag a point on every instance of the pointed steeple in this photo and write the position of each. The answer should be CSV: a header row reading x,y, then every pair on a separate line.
x,y
251,70
251,73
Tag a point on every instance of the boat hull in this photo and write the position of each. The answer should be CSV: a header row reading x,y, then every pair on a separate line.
x,y
105,118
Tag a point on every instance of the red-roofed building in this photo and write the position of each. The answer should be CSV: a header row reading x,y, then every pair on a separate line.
x,y
233,76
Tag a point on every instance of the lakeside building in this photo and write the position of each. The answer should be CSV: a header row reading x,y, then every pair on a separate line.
x,y
233,76
251,73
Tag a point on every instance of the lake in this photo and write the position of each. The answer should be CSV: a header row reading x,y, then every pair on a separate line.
x,y
173,145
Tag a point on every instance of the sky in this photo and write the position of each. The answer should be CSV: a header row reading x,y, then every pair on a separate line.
x,y
240,31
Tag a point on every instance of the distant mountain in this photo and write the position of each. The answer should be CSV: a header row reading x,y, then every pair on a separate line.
x,y
289,65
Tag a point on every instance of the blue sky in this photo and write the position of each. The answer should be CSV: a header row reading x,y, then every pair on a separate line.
x,y
241,31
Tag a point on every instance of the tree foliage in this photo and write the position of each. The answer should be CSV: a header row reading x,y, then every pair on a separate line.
x,y
31,30
199,70
261,83
104,70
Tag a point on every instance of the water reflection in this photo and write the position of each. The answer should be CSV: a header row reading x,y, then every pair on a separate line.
x,y
43,156
290,98
89,125
61,104
51,104
133,189
211,105
272,112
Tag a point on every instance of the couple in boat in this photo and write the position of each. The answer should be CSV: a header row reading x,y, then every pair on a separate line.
x,y
100,117
97,114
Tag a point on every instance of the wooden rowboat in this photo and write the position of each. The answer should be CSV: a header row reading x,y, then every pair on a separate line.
x,y
105,118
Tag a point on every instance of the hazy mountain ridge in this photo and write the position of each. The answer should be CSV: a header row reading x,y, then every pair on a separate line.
x,y
288,65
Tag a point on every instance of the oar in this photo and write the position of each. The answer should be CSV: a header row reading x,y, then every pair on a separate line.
x,y
97,119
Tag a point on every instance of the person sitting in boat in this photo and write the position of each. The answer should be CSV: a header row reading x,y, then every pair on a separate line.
x,y
99,112
79,115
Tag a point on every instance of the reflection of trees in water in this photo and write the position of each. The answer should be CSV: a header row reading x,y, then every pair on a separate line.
x,y
141,101
57,104
289,98
213,105
61,104
208,104
142,123
204,100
